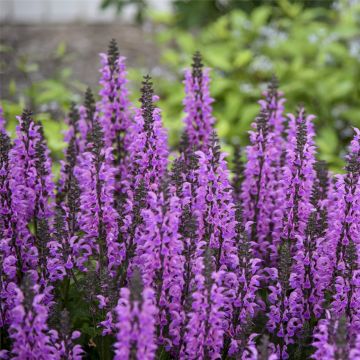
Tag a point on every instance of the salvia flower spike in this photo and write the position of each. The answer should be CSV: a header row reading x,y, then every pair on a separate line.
x,y
199,120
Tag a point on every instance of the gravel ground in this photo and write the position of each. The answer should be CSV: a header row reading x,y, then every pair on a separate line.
x,y
38,43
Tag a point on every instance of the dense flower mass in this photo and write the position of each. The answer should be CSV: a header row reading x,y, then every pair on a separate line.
x,y
137,252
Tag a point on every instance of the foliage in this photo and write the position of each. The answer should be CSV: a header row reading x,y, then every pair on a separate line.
x,y
119,5
315,53
196,14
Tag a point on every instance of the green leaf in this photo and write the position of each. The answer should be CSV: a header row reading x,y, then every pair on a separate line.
x,y
243,58
327,141
260,16
12,87
61,49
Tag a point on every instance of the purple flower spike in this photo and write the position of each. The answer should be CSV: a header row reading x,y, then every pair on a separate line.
x,y
31,186
204,325
29,331
169,275
219,211
9,261
98,220
246,283
263,191
114,106
148,150
344,235
286,314
253,185
142,215
332,341
310,272
135,326
199,120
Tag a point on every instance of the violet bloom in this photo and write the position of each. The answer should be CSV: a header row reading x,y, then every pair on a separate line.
x,y
286,311
9,250
158,250
136,312
344,232
245,282
271,203
219,212
188,232
29,331
98,220
148,150
262,189
199,120
149,239
66,251
254,182
148,166
331,340
114,108
169,276
299,176
31,186
74,250
309,255
204,331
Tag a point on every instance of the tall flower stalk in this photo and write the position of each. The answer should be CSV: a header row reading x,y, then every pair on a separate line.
x,y
286,296
114,108
199,120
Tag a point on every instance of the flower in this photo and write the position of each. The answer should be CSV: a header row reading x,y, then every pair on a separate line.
x,y
28,330
199,121
135,324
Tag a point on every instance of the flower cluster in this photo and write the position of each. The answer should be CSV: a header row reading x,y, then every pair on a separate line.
x,y
137,252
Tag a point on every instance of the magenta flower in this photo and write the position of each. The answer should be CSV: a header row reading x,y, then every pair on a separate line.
x,y
98,220
114,107
344,235
148,150
331,340
135,325
142,213
245,282
32,188
199,120
263,189
215,198
204,331
287,283
31,336
9,261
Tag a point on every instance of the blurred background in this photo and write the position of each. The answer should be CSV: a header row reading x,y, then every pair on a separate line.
x,y
49,55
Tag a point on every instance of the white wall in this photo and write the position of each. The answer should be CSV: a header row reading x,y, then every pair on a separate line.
x,y
64,11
